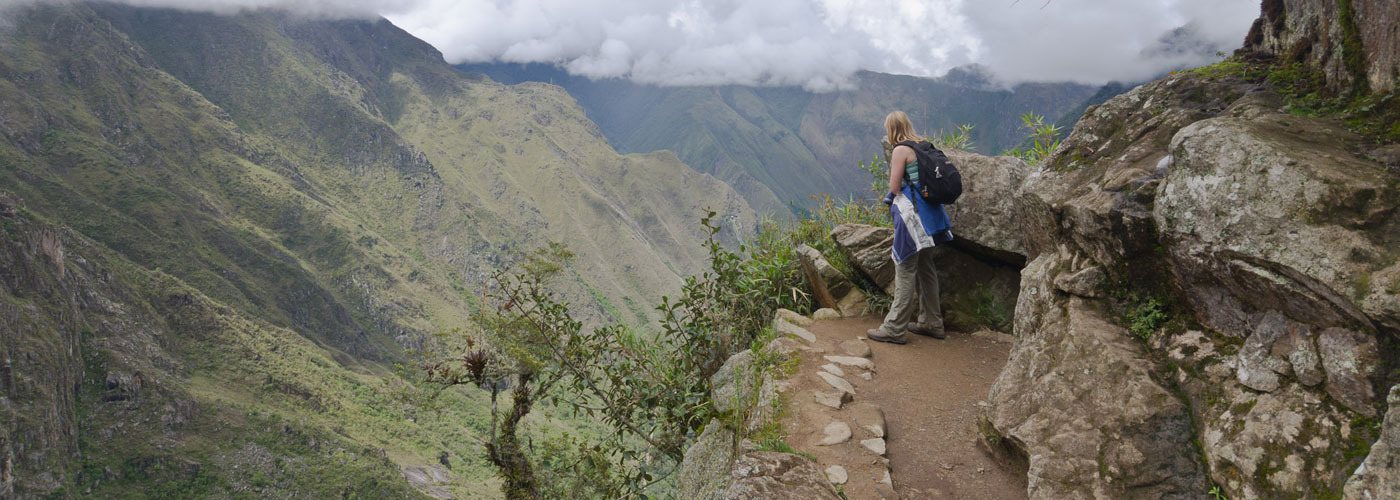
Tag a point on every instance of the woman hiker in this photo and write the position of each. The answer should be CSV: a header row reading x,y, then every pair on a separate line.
x,y
918,226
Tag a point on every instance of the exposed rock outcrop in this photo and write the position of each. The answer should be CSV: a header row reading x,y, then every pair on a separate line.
x,y
1379,475
984,217
1079,396
721,465
1351,42
1204,268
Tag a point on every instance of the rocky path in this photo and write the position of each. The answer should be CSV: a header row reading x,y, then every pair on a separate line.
x,y
906,425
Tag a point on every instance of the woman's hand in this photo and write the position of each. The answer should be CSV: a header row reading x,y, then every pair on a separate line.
x,y
889,199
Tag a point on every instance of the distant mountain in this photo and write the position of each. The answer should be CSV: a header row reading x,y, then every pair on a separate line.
x,y
782,145
219,233
1107,91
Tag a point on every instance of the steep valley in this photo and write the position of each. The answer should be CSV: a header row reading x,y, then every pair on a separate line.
x,y
250,219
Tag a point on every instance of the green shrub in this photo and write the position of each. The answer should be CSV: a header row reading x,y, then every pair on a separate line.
x,y
1042,139
1146,317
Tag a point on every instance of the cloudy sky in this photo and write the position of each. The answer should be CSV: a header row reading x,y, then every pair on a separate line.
x,y
817,44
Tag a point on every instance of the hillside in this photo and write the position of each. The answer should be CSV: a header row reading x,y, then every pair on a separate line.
x,y
261,215
782,145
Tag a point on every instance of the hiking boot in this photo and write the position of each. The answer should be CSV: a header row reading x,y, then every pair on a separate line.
x,y
927,330
879,335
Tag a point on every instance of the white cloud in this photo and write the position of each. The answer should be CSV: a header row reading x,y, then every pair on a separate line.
x,y
818,44
314,8
821,43
1094,41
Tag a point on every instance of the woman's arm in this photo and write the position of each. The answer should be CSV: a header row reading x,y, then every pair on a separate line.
x,y
899,158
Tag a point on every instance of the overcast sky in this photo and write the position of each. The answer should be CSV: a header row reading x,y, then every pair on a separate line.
x,y
817,44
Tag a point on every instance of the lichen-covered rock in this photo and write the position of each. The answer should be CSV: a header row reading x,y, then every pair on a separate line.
x,y
868,249
1350,359
1287,443
770,475
1378,476
792,317
1274,213
1084,282
732,386
1382,300
853,304
704,471
782,327
1078,396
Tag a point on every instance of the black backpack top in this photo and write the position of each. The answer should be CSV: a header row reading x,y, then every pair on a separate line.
x,y
939,180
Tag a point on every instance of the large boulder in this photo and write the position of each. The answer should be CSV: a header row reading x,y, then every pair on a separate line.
x,y
1079,400
984,218
769,475
868,249
1265,229
1274,212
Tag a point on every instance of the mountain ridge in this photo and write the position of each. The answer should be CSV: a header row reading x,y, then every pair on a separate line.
x,y
324,195
779,146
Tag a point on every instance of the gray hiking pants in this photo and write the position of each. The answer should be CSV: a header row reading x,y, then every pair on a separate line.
x,y
915,290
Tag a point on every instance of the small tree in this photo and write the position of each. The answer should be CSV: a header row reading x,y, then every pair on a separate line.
x,y
651,391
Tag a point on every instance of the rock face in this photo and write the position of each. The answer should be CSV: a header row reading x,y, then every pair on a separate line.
x,y
984,217
1307,236
1349,46
768,475
1378,476
719,465
1204,269
1078,392
868,249
42,354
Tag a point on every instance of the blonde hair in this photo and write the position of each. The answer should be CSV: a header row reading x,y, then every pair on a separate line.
x,y
898,128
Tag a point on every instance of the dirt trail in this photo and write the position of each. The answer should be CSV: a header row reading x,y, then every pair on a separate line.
x,y
929,392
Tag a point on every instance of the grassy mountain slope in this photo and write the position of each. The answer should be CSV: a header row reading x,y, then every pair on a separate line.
x,y
781,145
280,207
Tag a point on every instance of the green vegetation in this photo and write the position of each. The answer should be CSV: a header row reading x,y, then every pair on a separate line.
x,y
650,391
1042,139
1376,117
1216,494
1145,316
284,208
959,138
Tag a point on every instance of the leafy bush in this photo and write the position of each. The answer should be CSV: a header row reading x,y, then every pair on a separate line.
x,y
1146,317
1043,139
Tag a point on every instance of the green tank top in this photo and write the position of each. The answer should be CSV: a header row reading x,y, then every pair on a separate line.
x,y
911,172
